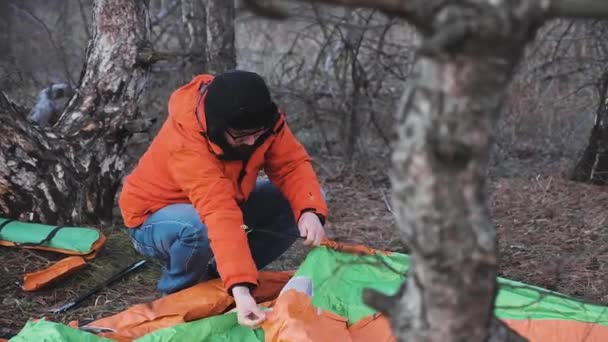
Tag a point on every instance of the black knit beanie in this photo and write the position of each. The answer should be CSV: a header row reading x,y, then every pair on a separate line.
x,y
241,100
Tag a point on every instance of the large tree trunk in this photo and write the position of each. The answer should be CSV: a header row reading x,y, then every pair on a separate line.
x,y
221,53
439,164
71,172
593,164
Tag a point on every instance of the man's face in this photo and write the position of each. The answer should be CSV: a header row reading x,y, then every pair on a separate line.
x,y
243,140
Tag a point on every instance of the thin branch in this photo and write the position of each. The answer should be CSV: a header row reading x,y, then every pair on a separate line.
x,y
578,8
265,10
413,9
555,8
387,203
397,7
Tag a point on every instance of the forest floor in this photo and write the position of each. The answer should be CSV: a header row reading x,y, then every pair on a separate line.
x,y
552,233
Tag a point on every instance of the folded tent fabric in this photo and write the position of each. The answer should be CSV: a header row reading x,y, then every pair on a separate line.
x,y
36,280
338,279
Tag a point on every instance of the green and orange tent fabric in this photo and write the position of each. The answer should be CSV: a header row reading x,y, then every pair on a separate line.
x,y
333,311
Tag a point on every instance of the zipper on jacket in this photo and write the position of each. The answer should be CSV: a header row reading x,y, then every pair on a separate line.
x,y
242,174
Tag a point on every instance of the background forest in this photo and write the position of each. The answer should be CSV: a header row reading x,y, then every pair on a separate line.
x,y
339,73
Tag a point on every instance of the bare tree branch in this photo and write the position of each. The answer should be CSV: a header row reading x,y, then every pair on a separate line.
x,y
397,7
421,8
578,8
265,10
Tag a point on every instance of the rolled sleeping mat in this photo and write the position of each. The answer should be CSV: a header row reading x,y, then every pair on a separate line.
x,y
83,241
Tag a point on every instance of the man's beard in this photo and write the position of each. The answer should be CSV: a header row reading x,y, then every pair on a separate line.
x,y
244,151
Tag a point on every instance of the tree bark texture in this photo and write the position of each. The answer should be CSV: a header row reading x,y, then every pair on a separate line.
x,y
221,52
438,177
209,29
71,171
592,167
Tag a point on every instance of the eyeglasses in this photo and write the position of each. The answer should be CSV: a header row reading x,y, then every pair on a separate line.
x,y
238,134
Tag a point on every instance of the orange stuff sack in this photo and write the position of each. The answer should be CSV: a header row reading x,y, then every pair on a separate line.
x,y
350,248
38,279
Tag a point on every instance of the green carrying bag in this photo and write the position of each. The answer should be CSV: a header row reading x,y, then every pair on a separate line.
x,y
69,240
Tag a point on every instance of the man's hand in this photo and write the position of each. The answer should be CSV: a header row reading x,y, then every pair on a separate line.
x,y
311,228
247,311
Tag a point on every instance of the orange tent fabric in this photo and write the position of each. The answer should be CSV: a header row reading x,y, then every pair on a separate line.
x,y
294,318
36,280
201,300
376,328
558,330
350,248
212,299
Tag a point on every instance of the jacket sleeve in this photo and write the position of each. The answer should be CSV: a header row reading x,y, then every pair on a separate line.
x,y
289,166
200,174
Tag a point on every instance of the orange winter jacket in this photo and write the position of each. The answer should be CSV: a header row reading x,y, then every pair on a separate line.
x,y
183,166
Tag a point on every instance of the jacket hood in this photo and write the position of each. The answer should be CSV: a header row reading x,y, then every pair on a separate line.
x,y
184,102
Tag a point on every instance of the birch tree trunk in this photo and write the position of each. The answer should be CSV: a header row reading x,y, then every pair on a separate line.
x,y
593,164
194,20
221,52
71,172
210,27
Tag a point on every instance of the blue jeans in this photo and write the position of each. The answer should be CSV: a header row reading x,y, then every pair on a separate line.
x,y
176,235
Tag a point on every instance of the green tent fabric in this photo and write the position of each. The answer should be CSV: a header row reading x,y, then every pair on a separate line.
x,y
220,328
213,329
78,239
522,301
339,278
45,331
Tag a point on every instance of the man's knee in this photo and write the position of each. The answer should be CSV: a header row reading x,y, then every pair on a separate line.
x,y
194,235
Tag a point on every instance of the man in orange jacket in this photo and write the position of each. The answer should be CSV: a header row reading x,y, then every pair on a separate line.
x,y
196,189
